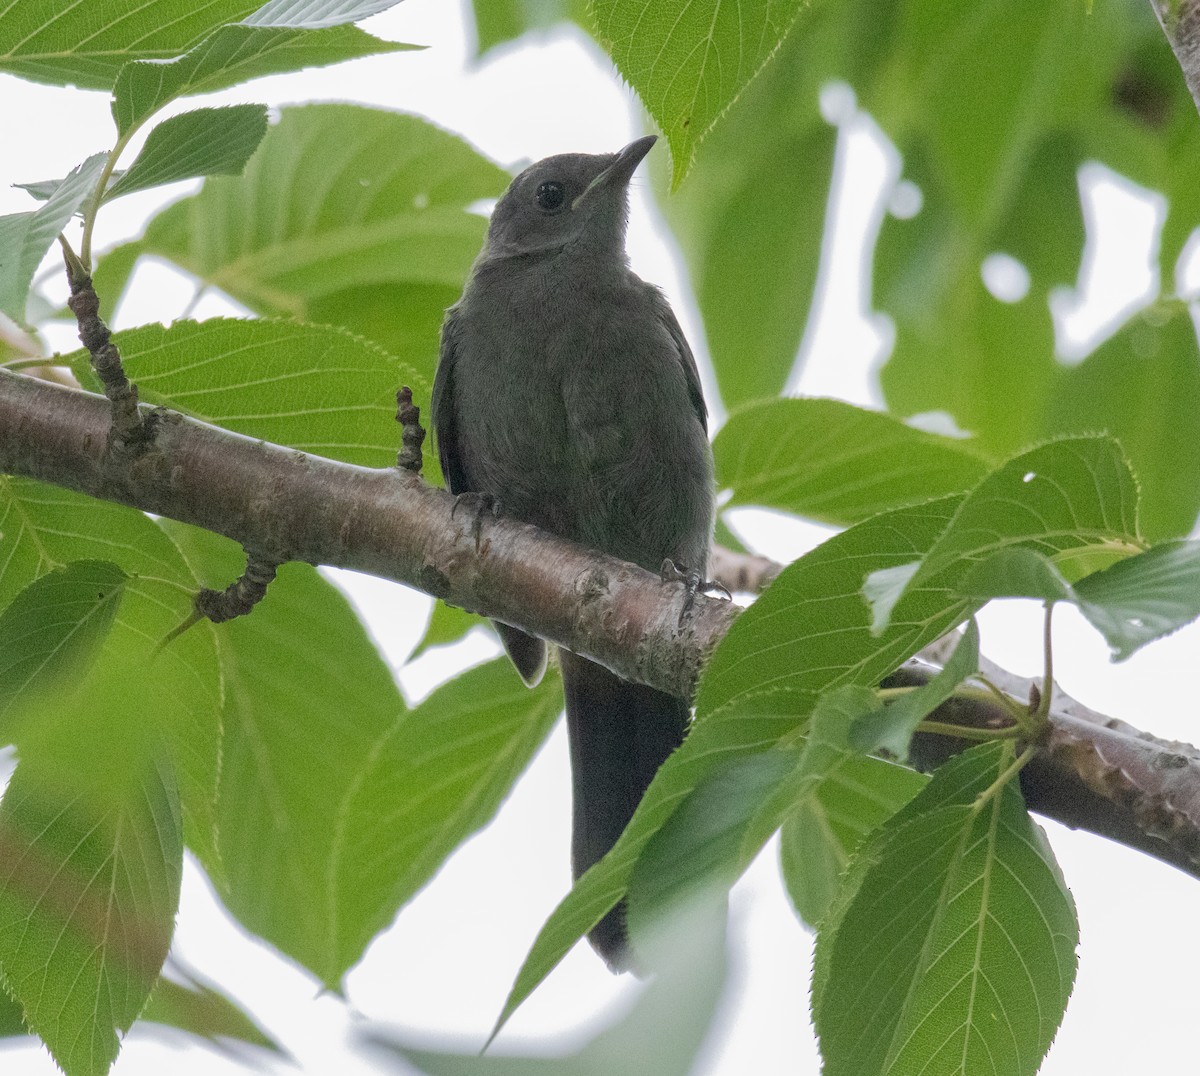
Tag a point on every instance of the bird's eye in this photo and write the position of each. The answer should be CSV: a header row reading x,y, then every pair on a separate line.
x,y
550,195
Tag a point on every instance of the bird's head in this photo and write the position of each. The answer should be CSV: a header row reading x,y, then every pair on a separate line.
x,y
579,200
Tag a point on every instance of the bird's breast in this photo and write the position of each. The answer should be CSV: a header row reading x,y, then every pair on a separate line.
x,y
580,419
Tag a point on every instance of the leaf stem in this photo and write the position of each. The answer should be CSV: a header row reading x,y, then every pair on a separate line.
x,y
1006,775
1042,713
1013,708
970,732
28,364
92,207
199,293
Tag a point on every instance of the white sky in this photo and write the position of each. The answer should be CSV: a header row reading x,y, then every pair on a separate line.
x,y
446,966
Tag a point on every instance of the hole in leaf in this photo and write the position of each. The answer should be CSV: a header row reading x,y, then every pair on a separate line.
x,y
906,200
1005,278
837,103
939,422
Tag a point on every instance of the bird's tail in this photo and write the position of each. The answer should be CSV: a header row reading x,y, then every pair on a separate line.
x,y
620,733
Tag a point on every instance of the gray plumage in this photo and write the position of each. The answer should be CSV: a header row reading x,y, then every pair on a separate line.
x,y
566,390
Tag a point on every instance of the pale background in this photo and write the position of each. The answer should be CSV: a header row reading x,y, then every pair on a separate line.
x,y
444,969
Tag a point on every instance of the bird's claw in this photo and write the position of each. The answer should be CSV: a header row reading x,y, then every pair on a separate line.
x,y
694,583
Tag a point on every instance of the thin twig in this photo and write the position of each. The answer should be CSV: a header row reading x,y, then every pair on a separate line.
x,y
129,434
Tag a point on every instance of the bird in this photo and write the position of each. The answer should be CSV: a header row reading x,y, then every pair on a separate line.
x,y
567,396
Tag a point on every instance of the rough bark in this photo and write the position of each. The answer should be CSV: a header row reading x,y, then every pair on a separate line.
x,y
287,505
1181,23
1094,773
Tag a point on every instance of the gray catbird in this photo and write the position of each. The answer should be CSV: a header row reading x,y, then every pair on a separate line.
x,y
566,392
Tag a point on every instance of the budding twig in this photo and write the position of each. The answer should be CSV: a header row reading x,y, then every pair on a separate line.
x,y
413,435
130,434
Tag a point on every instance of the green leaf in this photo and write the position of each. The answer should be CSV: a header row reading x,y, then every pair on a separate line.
x,y
1049,71
41,189
969,969
12,1023
279,37
316,13
1066,498
1148,130
25,237
807,634
1010,72
110,276
307,699
206,142
203,1010
86,44
282,234
403,789
987,363
310,387
189,1004
760,200
90,854
1143,598
834,462
345,234
809,631
1071,500
823,831
500,21
90,871
51,631
723,823
436,776
1143,388
700,844
883,588
447,624
43,528
404,318
1131,603
891,728
688,64
665,1030
722,535
1099,87
1016,573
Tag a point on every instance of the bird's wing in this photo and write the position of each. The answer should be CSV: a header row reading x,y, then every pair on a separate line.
x,y
445,429
528,653
687,360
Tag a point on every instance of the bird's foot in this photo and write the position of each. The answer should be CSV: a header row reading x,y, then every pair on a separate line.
x,y
694,583
479,505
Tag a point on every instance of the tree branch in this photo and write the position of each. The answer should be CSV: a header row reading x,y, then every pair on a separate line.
x,y
1094,773
287,505
1180,21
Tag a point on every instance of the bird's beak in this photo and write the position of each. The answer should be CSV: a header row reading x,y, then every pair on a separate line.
x,y
619,172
